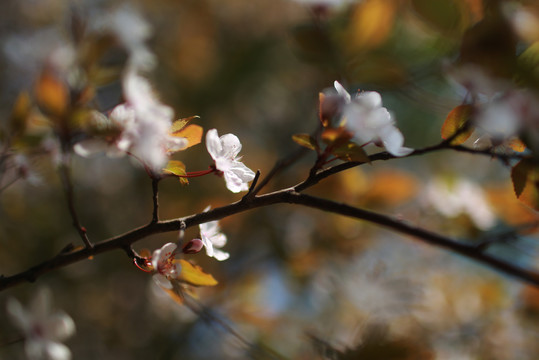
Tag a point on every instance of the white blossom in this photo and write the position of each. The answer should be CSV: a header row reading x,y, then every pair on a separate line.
x,y
370,122
213,238
144,124
164,266
43,329
224,150
461,197
132,31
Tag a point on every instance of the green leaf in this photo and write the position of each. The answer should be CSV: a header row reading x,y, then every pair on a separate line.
x,y
458,121
305,140
194,275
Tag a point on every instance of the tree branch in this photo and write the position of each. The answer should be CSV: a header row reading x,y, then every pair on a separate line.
x,y
279,197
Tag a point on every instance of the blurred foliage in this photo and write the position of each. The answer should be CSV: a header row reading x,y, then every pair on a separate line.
x,y
299,284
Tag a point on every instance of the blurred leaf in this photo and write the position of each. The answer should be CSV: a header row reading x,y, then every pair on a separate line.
x,y
377,69
371,23
20,112
516,144
177,168
336,136
351,152
105,75
313,43
458,120
509,208
377,345
193,134
175,295
391,188
525,177
181,123
519,176
52,94
194,275
447,17
305,140
491,44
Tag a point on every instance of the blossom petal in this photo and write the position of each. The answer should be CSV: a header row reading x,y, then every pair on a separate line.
x,y
231,145
162,281
342,91
57,351
60,326
392,139
213,144
371,99
220,255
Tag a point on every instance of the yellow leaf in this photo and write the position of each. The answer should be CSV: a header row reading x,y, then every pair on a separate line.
x,y
336,136
351,152
20,112
371,23
458,120
52,94
305,140
193,275
181,123
177,168
193,134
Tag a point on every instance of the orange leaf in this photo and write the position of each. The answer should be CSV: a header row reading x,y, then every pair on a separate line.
x,y
194,275
516,144
458,120
176,296
193,134
52,94
525,176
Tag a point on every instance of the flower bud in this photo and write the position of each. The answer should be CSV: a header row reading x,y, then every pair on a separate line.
x,y
193,246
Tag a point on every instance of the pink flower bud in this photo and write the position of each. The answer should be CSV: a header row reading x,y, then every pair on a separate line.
x,y
193,246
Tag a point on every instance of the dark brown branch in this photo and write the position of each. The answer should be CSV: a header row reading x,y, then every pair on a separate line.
x,y
283,196
155,199
444,145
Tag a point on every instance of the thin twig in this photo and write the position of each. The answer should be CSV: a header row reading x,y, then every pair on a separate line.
x,y
279,166
70,197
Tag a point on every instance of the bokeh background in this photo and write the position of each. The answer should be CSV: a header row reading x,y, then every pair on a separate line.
x,y
299,284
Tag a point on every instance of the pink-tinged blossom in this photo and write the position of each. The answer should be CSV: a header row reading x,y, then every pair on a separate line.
x,y
143,123
164,266
224,150
43,328
370,122
213,238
